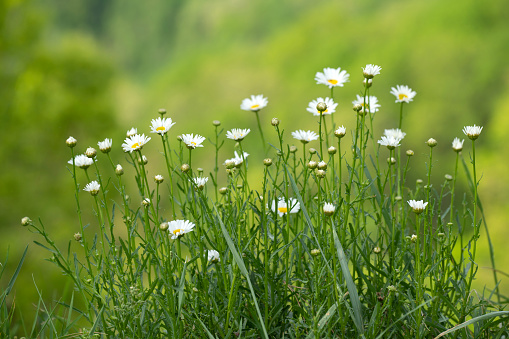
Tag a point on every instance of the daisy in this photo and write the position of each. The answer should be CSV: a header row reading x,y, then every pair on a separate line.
x,y
161,125
332,77
192,141
331,106
177,228
328,208
82,161
132,132
417,206
391,142
395,133
472,132
200,182
304,136
340,132
134,143
237,134
403,93
92,187
371,103
159,178
371,70
256,103
282,207
105,145
213,256
457,144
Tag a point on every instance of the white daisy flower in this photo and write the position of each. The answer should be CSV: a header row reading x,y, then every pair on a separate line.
x,y
213,256
282,207
395,133
192,141
371,103
82,161
331,106
371,70
328,208
304,136
457,144
158,178
132,132
332,77
92,187
417,206
200,182
391,142
340,132
177,228
403,93
472,132
105,145
161,125
236,161
254,104
135,142
237,134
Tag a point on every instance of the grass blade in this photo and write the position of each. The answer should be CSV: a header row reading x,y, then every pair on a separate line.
x,y
471,321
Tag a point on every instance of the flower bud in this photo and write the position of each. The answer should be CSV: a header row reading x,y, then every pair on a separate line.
x,y
161,111
377,250
322,165
398,198
143,160
320,173
274,122
321,107
293,149
418,181
145,202
332,150
163,226
368,85
391,161
223,190
391,288
431,142
71,142
448,177
409,153
413,238
119,170
312,164
357,108
240,186
179,137
315,252
267,162
26,221
77,236
90,152
229,163
312,150
216,123
158,179
185,168
340,132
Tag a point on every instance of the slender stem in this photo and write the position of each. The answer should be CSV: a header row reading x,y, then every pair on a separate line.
x,y
264,144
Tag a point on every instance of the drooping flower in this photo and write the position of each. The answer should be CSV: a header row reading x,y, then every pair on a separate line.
x,y
282,208
192,141
304,136
135,143
395,133
92,187
161,125
105,145
390,142
371,70
418,206
254,104
331,106
457,144
237,134
177,228
332,77
403,93
82,161
472,132
213,256
371,106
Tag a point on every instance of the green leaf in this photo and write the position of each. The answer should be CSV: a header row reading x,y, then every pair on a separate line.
x,y
471,321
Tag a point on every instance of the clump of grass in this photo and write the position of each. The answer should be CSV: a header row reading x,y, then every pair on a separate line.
x,y
334,242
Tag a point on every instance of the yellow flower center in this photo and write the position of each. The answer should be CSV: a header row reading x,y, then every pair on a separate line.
x,y
327,110
177,231
332,81
162,128
402,96
255,106
135,145
193,143
282,209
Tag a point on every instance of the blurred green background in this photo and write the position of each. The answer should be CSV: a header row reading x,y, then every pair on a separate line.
x,y
93,69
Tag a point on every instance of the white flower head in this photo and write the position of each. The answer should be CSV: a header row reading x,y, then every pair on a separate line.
x,y
304,136
331,106
391,142
371,106
136,142
328,209
200,182
340,132
418,206
213,256
254,104
282,208
395,133
71,142
161,125
158,178
177,228
371,70
82,161
472,132
332,77
237,134
236,161
132,132
457,144
105,145
403,93
92,187
192,141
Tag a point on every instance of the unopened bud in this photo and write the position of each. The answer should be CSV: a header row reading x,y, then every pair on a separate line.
x,y
143,160
185,168
90,152
320,173
322,165
321,107
312,164
448,177
312,150
267,162
413,238
418,181
293,149
158,179
163,226
377,250
223,190
357,108
216,123
332,150
409,153
369,83
274,122
431,142
315,252
119,170
161,111
145,202
26,221
71,142
77,236
391,161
